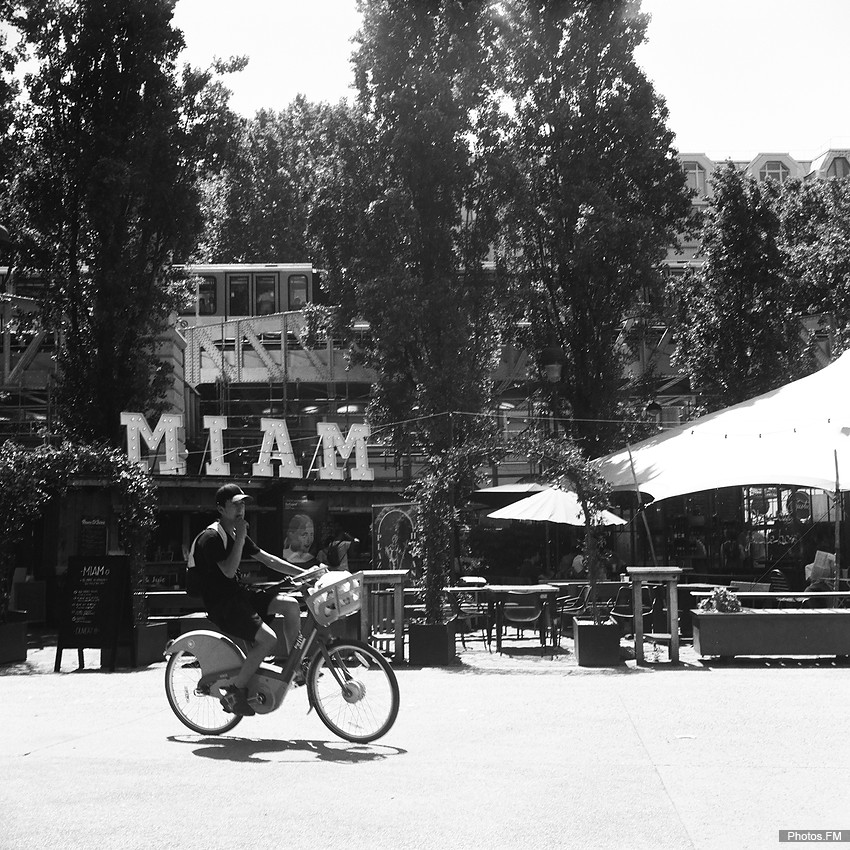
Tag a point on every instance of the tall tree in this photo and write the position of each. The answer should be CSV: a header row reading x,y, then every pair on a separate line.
x,y
815,234
423,71
106,191
259,203
735,321
9,88
595,196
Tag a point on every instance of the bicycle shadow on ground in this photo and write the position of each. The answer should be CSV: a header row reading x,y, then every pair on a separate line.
x,y
262,750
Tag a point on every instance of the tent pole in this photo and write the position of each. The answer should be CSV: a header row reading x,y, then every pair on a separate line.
x,y
640,508
838,511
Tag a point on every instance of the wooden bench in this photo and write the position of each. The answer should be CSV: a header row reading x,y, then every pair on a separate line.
x,y
772,631
172,607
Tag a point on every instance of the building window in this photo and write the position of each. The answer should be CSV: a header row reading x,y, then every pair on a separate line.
x,y
695,175
774,170
839,167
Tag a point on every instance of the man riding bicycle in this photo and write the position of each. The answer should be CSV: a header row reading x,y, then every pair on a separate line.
x,y
213,572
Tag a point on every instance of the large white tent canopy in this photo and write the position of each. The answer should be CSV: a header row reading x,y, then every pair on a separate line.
x,y
791,435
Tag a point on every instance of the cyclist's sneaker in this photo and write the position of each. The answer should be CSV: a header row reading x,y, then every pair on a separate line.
x,y
300,677
235,701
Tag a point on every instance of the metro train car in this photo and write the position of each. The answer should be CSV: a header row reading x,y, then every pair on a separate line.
x,y
225,291
241,290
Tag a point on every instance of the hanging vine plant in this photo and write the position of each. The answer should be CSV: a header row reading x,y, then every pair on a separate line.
x,y
30,478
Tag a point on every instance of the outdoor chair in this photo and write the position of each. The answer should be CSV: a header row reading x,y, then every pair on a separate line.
x,y
623,610
569,606
779,584
469,617
524,612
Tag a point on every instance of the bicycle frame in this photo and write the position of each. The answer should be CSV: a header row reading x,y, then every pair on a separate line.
x,y
221,659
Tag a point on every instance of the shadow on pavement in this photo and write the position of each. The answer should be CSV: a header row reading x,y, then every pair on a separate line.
x,y
262,750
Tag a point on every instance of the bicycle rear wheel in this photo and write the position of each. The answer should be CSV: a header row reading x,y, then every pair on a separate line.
x,y
200,712
365,706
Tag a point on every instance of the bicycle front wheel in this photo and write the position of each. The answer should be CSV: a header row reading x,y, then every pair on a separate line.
x,y
199,711
354,690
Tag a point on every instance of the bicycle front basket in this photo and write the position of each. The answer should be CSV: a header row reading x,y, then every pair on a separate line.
x,y
337,600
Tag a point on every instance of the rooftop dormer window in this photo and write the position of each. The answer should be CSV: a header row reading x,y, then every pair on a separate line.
x,y
773,169
839,167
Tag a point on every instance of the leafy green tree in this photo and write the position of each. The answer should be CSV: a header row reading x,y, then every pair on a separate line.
x,y
735,322
9,88
258,202
815,234
593,194
422,71
105,194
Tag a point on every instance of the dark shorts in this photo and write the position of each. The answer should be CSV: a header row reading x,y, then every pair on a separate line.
x,y
243,614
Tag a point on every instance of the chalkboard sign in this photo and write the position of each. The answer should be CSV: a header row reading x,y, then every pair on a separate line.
x,y
98,605
92,536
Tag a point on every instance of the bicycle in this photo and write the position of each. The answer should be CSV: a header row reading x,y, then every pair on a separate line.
x,y
350,684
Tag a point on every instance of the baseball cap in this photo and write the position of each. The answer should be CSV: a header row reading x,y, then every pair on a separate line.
x,y
230,493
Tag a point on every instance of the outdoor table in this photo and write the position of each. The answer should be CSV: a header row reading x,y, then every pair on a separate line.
x,y
656,575
498,595
371,580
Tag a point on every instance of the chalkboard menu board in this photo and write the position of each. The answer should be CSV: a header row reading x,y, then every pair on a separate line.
x,y
92,536
97,607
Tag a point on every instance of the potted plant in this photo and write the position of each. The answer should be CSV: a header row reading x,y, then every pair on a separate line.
x,y
596,634
432,637
436,543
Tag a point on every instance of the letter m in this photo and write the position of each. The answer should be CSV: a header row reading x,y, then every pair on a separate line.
x,y
332,442
169,428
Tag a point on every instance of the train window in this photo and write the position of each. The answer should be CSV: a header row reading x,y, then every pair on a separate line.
x,y
207,297
264,292
297,291
237,304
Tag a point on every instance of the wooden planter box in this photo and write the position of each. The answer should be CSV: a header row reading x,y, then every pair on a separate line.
x,y
432,645
150,647
13,638
596,645
772,631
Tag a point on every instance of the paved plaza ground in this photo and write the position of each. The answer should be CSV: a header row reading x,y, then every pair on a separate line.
x,y
517,750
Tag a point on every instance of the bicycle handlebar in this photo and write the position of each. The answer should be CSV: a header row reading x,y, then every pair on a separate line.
x,y
299,581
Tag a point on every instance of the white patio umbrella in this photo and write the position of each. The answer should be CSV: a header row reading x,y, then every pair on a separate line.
x,y
552,505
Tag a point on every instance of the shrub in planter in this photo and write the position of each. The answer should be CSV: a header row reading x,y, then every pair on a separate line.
x,y
722,600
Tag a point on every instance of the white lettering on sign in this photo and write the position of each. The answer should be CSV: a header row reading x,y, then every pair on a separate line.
x,y
332,442
216,425
276,446
275,433
169,427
